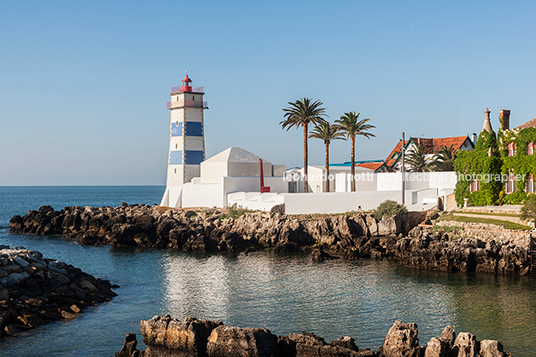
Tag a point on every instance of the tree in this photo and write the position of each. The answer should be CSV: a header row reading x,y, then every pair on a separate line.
x,y
303,112
416,159
528,211
444,159
349,125
327,132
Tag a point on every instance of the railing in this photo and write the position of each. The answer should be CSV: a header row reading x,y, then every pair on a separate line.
x,y
193,90
187,103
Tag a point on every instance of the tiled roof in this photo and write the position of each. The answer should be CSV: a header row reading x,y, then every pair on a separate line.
x,y
371,165
437,143
529,124
391,158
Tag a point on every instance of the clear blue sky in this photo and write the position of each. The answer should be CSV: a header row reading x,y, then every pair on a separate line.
x,y
84,85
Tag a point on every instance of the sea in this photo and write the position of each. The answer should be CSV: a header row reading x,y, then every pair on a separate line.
x,y
282,292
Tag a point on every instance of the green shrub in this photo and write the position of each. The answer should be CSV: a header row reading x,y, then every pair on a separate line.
x,y
235,211
528,211
389,208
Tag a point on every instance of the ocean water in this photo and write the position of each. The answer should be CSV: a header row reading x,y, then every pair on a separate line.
x,y
283,292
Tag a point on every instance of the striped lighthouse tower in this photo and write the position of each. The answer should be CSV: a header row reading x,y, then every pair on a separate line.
x,y
186,138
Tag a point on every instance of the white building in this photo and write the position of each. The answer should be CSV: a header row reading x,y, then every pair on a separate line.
x,y
233,174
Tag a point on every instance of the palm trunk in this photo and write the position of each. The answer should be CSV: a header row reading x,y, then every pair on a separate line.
x,y
305,179
327,165
352,159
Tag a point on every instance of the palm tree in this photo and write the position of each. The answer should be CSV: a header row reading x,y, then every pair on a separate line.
x,y
416,159
327,132
349,125
302,113
444,158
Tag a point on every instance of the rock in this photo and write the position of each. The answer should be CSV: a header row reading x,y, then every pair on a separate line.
x,y
129,347
228,341
319,255
436,348
67,315
401,341
491,348
188,335
14,279
448,336
4,294
31,321
346,342
466,345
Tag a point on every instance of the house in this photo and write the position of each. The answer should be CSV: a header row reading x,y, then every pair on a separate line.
x,y
517,147
393,162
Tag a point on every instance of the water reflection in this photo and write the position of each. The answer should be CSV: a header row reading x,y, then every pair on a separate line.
x,y
290,293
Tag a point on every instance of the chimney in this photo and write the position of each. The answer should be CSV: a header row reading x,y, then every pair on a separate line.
x,y
504,118
473,138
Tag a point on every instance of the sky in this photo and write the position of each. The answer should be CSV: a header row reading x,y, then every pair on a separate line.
x,y
84,85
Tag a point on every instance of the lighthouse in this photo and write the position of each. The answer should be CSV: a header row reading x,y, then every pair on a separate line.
x,y
186,138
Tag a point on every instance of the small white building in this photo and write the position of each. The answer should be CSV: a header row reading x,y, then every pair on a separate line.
x,y
233,171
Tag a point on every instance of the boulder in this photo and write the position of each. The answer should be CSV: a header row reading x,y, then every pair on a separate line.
x,y
436,348
190,335
448,336
129,347
491,348
229,341
401,341
466,345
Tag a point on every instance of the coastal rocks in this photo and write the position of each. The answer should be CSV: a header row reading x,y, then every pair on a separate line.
x,y
166,336
36,290
438,251
207,230
217,230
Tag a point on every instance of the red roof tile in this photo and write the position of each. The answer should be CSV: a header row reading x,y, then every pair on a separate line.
x,y
529,124
371,165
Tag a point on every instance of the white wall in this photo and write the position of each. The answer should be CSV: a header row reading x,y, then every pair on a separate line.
x,y
212,172
202,195
389,181
443,180
336,202
252,184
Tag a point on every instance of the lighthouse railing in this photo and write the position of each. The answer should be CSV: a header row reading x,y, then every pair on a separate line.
x,y
178,89
187,103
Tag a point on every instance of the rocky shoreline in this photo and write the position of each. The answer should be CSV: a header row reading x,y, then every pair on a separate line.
x,y
36,290
326,236
169,337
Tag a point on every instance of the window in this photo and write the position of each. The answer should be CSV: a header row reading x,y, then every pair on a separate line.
x,y
175,170
530,148
511,147
176,146
529,185
474,186
510,186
